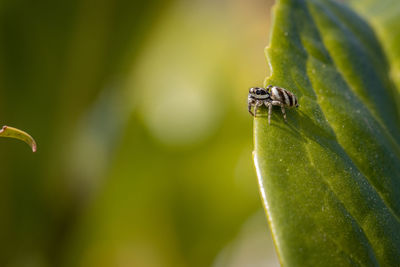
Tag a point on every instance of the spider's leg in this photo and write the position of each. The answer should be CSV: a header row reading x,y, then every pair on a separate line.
x,y
249,108
269,105
256,105
279,103
251,102
283,112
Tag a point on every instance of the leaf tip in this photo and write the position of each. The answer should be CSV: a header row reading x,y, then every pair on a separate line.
x,y
7,131
33,146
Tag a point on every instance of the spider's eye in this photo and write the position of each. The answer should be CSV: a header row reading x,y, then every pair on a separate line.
x,y
263,92
258,92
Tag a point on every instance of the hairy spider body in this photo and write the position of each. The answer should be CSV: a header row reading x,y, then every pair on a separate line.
x,y
270,96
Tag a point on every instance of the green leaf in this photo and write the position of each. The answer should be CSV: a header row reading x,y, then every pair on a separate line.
x,y
384,18
330,176
12,132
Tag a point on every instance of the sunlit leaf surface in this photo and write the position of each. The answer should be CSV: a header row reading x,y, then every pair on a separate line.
x,y
330,176
12,132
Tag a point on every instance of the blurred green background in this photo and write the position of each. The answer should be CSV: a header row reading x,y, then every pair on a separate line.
x,y
144,140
